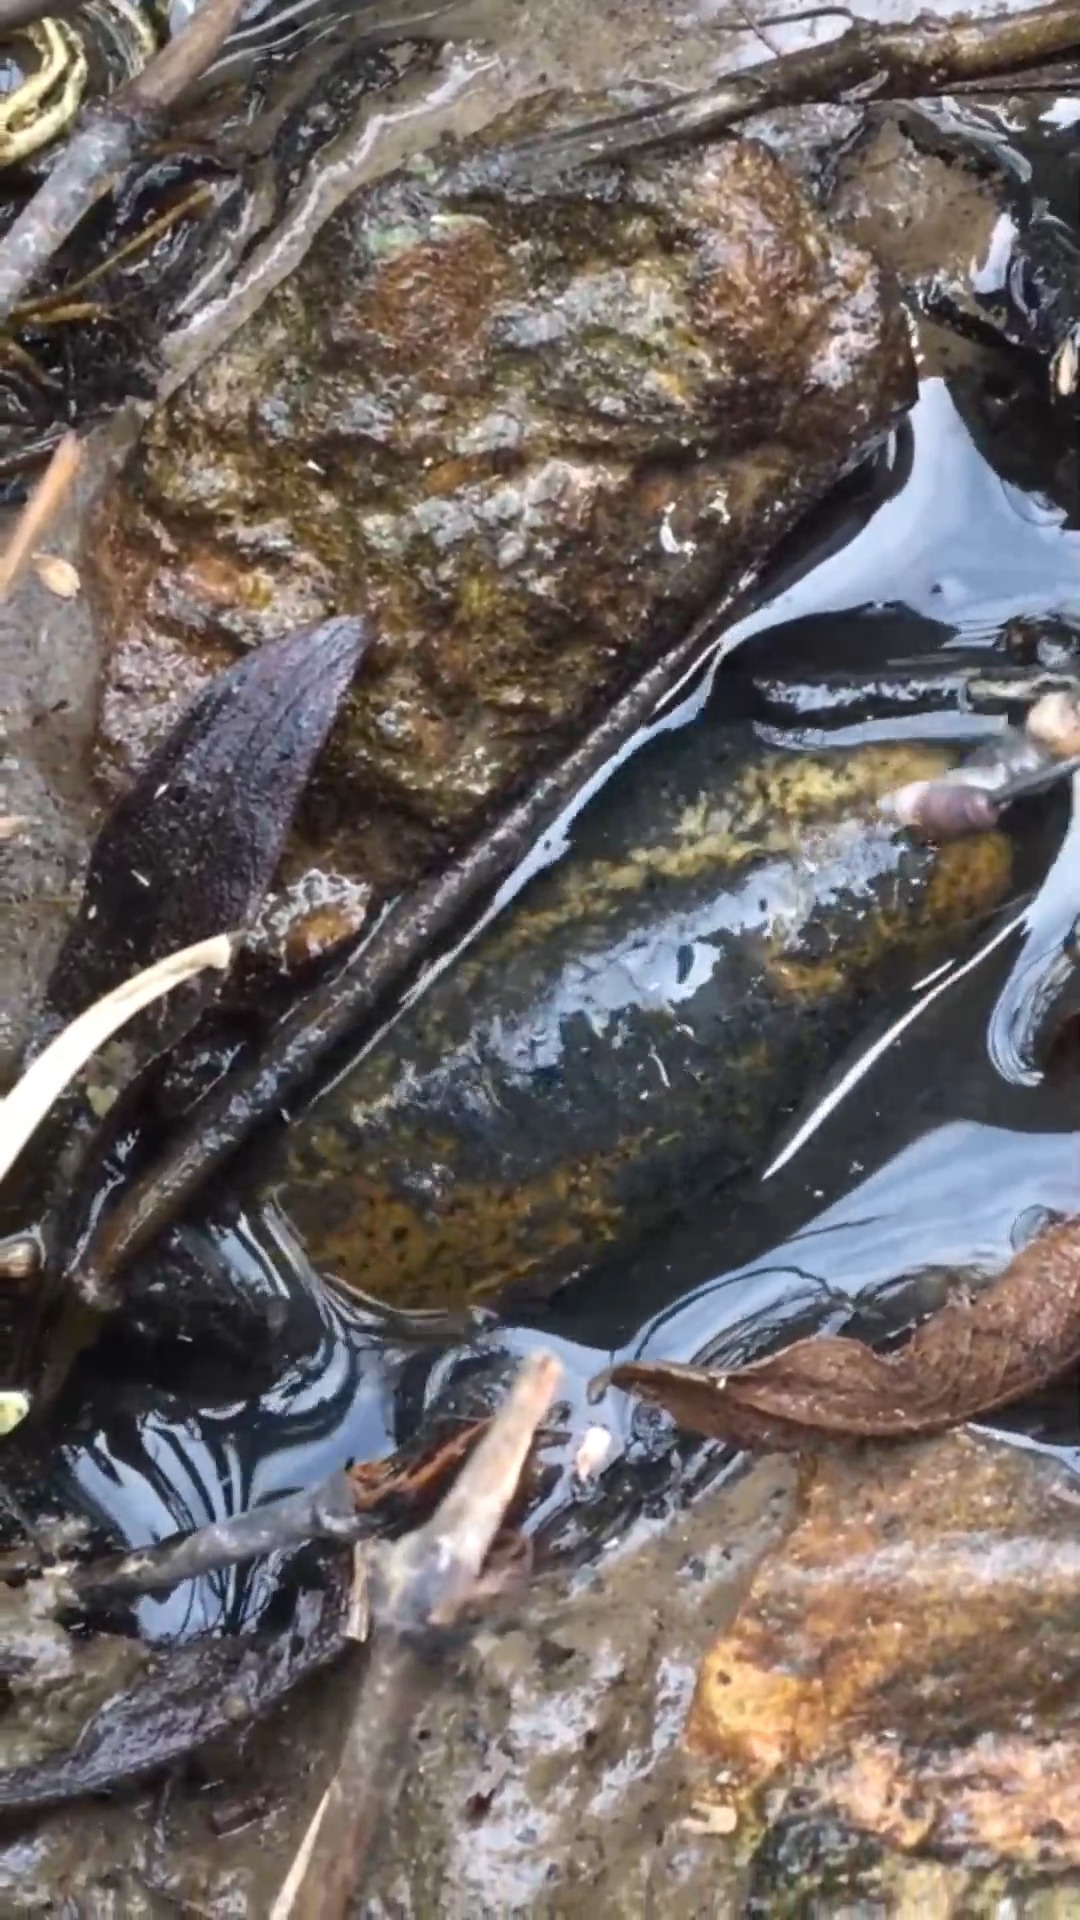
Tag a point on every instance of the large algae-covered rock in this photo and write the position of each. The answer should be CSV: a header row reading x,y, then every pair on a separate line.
x,y
621,1048
532,429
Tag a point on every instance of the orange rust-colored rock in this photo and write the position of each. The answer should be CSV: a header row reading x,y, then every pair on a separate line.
x,y
909,1658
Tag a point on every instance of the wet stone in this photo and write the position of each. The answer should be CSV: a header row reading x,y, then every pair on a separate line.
x,y
533,432
906,1662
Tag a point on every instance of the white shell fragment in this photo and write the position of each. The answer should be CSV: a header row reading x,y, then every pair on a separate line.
x,y
592,1452
57,575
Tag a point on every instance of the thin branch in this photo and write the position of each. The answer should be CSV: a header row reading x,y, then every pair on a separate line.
x,y
420,1586
48,496
105,144
344,1507
864,62
327,1511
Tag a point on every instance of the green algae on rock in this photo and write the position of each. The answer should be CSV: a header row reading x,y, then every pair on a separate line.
x,y
623,1044
532,432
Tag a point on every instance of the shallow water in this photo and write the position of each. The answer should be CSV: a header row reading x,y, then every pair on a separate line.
x,y
885,1182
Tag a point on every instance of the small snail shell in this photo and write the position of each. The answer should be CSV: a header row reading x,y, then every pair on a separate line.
x,y
1054,721
942,809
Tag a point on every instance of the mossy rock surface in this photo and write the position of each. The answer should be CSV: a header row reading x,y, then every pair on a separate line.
x,y
532,431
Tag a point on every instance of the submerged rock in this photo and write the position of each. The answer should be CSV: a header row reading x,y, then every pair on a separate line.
x,y
625,1042
533,431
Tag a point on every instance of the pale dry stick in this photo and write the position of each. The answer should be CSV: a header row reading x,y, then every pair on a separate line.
x,y
48,496
104,145
420,1587
42,1083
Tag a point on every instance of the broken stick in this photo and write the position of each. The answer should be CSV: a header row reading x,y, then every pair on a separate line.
x,y
865,62
421,1586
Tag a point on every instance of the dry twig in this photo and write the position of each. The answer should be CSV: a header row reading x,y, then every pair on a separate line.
x,y
105,144
864,62
343,1507
48,496
420,1586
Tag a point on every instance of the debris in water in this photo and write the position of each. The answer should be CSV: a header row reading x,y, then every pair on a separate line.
x,y
591,1454
970,798
42,1083
971,1356
340,1508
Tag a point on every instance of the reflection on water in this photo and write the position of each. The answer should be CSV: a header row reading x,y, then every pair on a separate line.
x,y
936,1149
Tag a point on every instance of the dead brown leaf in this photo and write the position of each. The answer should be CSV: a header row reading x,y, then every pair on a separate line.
x,y
59,576
973,1355
12,824
418,1480
909,1658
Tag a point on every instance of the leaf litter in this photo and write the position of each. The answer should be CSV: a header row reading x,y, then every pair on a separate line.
x,y
973,1355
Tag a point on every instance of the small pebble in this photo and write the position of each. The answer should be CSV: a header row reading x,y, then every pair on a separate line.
x,y
57,575
1054,721
20,1256
712,1820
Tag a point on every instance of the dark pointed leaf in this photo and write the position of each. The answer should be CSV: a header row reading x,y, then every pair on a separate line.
x,y
970,1357
191,849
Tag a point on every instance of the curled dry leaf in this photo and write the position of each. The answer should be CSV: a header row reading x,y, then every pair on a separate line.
x,y
193,845
971,1356
408,1484
909,1657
